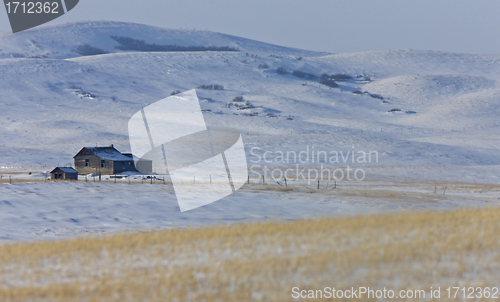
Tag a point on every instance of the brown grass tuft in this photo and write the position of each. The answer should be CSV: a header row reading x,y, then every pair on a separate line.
x,y
260,261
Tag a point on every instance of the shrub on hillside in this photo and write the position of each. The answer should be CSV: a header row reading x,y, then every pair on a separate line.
x,y
87,50
330,83
211,87
336,77
304,75
263,66
281,70
127,43
324,76
376,96
340,77
238,99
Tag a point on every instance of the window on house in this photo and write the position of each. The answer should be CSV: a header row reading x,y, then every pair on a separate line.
x,y
87,162
103,163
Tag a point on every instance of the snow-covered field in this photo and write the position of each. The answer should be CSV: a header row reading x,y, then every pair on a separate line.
x,y
443,126
41,210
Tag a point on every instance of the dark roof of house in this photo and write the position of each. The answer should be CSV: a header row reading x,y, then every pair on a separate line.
x,y
107,153
67,170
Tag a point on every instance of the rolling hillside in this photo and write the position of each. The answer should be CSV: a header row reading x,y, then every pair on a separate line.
x,y
444,105
67,40
432,118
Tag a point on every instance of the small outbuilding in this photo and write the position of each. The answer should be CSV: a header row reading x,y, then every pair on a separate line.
x,y
64,173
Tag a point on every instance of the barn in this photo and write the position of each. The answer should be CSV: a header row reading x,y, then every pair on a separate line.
x,y
102,161
64,173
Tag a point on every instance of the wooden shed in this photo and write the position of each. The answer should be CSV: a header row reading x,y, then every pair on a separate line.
x,y
102,161
64,173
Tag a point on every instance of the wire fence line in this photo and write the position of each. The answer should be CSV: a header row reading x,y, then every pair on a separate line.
x,y
147,179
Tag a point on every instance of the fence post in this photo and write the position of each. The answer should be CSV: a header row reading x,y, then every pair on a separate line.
x,y
115,178
10,179
263,181
318,184
286,185
445,190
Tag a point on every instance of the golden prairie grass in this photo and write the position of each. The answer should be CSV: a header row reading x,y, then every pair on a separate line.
x,y
260,261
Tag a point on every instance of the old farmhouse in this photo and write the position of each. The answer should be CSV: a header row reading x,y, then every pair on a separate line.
x,y
102,161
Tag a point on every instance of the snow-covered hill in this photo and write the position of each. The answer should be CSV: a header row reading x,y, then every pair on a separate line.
x,y
431,116
70,40
444,105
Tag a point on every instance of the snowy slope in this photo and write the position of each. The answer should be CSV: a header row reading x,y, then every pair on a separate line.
x,y
53,106
446,129
61,40
103,208
386,63
49,112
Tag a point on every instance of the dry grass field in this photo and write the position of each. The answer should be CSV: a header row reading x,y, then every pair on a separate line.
x,y
261,261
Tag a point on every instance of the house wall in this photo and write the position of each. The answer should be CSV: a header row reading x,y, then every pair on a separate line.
x,y
63,176
122,166
72,176
144,166
53,175
94,165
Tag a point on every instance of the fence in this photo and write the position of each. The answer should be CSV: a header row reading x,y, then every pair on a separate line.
x,y
266,183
